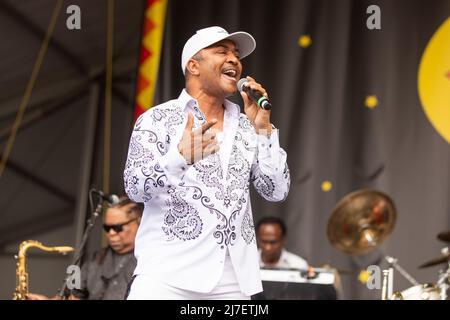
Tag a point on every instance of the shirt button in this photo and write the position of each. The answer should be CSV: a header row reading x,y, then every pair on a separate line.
x,y
115,283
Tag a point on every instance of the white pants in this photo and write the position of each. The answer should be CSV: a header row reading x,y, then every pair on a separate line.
x,y
147,287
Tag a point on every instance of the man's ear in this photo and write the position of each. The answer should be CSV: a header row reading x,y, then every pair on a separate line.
x,y
193,67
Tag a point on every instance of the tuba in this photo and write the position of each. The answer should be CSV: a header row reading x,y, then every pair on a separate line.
x,y
21,291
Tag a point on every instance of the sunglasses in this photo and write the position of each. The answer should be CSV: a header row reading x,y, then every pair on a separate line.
x,y
116,227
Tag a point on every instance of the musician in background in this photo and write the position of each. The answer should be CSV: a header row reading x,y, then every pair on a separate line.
x,y
271,235
106,273
271,238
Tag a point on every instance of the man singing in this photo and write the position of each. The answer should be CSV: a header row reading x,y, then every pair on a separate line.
x,y
191,161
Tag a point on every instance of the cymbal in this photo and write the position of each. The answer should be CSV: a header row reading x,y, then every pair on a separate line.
x,y
442,259
361,221
444,236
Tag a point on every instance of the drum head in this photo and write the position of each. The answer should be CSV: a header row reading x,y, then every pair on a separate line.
x,y
421,292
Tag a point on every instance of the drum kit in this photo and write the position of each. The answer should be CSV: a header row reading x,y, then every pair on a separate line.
x,y
362,221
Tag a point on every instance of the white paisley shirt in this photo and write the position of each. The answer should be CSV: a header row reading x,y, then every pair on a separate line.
x,y
195,213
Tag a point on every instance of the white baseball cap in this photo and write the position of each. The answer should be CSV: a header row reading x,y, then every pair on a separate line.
x,y
203,38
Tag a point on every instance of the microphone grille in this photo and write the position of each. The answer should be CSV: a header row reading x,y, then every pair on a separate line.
x,y
240,84
114,200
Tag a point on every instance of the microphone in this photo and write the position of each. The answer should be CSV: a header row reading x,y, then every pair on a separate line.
x,y
255,95
112,199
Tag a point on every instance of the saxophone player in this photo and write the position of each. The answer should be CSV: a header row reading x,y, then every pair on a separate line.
x,y
105,274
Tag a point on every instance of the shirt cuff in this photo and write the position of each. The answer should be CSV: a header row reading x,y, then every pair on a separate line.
x,y
268,146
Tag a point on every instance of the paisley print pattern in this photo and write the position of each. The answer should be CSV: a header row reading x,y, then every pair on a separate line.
x,y
181,219
211,193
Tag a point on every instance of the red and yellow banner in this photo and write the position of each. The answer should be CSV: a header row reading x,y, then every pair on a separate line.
x,y
152,38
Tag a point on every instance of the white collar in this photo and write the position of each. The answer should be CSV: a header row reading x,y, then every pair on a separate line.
x,y
186,101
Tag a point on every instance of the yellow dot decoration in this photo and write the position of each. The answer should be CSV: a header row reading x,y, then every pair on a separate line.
x,y
326,186
371,102
364,276
304,41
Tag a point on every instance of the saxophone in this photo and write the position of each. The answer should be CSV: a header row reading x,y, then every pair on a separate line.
x,y
21,291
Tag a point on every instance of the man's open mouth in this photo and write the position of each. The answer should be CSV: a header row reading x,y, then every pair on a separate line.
x,y
230,73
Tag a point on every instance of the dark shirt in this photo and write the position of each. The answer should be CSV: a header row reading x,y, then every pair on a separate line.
x,y
105,275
